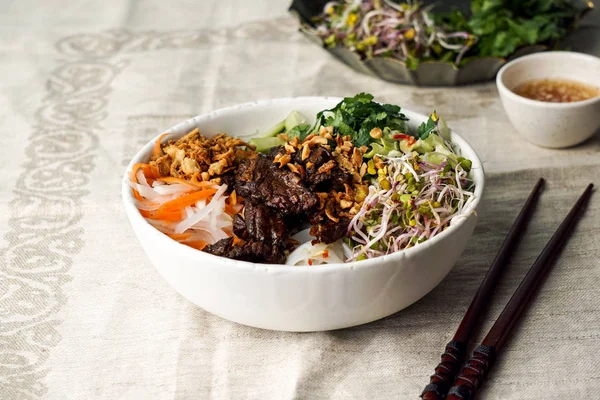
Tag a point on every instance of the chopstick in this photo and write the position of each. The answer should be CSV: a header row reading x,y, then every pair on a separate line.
x,y
474,372
456,350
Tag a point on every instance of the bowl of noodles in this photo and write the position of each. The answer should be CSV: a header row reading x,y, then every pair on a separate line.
x,y
305,214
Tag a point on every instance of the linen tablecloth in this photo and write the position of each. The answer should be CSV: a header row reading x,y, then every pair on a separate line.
x,y
83,314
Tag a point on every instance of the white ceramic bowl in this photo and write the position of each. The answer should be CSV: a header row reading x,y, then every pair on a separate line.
x,y
545,124
300,298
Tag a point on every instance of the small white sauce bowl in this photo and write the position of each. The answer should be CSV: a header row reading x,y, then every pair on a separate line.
x,y
299,298
553,125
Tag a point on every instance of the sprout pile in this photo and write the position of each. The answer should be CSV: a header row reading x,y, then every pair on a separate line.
x,y
406,32
410,201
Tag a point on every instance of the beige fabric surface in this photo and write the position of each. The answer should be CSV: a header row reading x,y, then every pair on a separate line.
x,y
83,314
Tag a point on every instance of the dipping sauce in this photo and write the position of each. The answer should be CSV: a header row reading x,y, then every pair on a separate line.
x,y
556,90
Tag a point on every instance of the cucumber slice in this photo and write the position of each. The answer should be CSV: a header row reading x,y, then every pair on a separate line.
x,y
376,148
265,143
274,130
294,119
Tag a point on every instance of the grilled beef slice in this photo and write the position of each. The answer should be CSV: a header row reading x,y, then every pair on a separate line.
x,y
326,230
277,200
265,234
261,224
260,181
252,250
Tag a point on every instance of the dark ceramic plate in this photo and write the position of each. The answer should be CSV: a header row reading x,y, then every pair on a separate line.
x,y
428,73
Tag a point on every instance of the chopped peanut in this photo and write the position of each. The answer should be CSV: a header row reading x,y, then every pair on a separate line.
x,y
297,169
328,166
305,152
283,160
376,133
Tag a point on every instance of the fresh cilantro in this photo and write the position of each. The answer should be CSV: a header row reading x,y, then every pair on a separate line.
x,y
345,129
364,98
301,131
357,116
426,128
505,25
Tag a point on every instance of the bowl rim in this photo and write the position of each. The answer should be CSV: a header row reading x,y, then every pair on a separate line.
x,y
556,55
135,216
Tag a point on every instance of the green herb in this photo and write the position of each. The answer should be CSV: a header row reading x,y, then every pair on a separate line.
x,y
301,131
503,26
425,128
357,116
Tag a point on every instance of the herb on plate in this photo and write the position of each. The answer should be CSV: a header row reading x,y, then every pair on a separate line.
x,y
412,32
503,26
357,116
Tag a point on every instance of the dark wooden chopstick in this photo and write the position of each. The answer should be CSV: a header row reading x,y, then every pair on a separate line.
x,y
456,350
475,370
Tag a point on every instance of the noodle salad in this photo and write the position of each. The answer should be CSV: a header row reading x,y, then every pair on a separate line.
x,y
357,184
